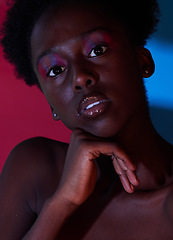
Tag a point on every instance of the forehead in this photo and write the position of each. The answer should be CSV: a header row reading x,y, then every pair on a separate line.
x,y
70,18
62,24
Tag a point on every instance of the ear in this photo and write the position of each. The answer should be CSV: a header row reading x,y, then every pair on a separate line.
x,y
54,115
146,62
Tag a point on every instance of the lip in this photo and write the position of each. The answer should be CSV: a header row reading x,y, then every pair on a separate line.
x,y
92,105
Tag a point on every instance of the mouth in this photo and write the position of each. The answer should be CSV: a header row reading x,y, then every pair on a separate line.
x,y
92,105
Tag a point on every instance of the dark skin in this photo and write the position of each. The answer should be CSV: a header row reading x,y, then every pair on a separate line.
x,y
88,189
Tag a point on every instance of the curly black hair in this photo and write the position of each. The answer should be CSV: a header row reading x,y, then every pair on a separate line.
x,y
141,17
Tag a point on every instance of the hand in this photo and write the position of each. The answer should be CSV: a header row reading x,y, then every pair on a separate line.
x,y
80,171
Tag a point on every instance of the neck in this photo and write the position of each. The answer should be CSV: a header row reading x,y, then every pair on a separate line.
x,y
151,154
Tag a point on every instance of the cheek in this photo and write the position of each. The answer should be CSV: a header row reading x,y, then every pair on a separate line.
x,y
125,68
60,98
122,80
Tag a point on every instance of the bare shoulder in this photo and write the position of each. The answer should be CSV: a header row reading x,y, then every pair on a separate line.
x,y
30,176
35,162
169,203
168,206
35,157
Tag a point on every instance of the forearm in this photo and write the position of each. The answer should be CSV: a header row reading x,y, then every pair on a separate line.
x,y
51,219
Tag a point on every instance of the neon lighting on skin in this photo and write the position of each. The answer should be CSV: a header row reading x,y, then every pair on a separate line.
x,y
94,39
89,42
49,61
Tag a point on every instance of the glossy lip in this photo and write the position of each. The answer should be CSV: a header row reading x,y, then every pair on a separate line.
x,y
92,105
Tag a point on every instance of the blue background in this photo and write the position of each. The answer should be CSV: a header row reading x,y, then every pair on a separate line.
x,y
160,85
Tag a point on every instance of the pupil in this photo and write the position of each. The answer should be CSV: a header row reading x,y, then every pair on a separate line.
x,y
98,50
56,70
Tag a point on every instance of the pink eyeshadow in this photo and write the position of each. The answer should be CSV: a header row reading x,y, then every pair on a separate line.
x,y
96,38
47,62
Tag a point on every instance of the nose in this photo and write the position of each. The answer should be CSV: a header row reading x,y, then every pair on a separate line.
x,y
84,77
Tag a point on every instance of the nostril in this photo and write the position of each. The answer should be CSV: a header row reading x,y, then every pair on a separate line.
x,y
87,83
78,88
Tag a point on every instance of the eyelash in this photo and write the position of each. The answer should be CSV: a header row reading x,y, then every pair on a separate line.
x,y
102,48
60,69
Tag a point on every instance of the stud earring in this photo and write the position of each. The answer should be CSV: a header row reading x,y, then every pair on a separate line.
x,y
146,72
55,116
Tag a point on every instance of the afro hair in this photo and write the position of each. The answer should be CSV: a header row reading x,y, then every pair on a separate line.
x,y
141,17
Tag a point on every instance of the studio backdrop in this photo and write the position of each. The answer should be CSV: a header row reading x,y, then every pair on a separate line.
x,y
24,112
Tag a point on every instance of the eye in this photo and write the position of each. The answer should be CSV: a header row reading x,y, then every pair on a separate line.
x,y
98,51
55,71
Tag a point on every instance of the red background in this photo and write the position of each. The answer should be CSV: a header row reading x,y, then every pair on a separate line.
x,y
24,112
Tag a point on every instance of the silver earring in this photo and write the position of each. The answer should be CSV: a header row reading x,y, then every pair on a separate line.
x,y
55,115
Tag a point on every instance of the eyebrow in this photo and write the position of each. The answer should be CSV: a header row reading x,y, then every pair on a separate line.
x,y
82,35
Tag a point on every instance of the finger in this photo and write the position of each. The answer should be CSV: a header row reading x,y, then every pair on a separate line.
x,y
132,178
121,163
130,173
123,177
98,145
94,155
115,150
117,166
124,159
128,187
122,168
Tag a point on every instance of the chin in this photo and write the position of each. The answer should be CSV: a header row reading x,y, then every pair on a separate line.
x,y
102,132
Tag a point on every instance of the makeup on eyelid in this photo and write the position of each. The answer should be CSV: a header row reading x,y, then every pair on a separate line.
x,y
49,61
90,41
94,39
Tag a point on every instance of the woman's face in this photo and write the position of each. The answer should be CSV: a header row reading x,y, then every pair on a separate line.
x,y
88,69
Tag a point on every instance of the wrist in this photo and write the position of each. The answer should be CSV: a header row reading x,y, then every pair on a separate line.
x,y
57,203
